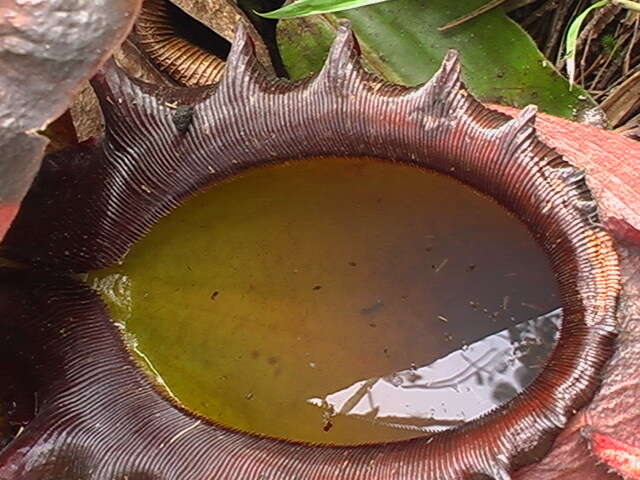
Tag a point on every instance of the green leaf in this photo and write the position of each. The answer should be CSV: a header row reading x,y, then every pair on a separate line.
x,y
400,41
303,8
572,38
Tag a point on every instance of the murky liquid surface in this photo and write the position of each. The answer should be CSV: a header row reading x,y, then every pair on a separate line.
x,y
337,300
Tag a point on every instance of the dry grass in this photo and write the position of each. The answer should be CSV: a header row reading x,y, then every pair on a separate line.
x,y
608,52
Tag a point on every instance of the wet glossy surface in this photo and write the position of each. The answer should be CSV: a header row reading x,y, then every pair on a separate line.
x,y
460,386
292,283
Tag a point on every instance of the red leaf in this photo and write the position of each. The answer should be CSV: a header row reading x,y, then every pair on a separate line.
x,y
620,456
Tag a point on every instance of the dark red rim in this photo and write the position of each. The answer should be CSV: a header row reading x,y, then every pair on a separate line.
x,y
90,205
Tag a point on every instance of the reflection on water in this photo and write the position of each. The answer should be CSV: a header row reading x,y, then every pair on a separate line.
x,y
454,389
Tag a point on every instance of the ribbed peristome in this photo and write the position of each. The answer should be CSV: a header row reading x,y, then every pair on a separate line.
x,y
100,414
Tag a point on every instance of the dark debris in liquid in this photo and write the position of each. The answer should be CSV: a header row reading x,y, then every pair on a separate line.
x,y
337,300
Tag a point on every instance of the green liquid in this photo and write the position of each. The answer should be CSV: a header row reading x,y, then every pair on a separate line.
x,y
289,283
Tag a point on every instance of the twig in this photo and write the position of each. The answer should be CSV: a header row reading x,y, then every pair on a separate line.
x,y
547,7
599,20
634,38
610,67
470,16
635,6
557,30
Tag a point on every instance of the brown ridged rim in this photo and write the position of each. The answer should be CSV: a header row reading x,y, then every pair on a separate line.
x,y
164,144
186,63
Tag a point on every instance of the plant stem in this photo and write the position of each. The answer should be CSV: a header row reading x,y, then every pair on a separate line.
x,y
631,5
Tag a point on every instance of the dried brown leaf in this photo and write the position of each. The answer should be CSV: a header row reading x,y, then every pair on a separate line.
x,y
222,16
623,100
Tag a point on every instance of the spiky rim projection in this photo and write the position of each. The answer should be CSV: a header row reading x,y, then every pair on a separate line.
x,y
100,417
